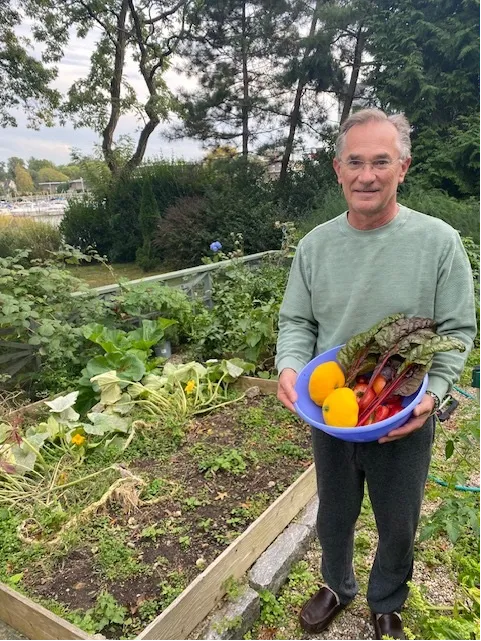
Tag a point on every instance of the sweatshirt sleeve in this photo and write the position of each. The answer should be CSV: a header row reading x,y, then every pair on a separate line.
x,y
297,325
454,313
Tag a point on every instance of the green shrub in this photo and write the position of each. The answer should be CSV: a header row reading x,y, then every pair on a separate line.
x,y
24,233
236,199
185,232
330,204
463,215
86,224
243,320
44,315
149,300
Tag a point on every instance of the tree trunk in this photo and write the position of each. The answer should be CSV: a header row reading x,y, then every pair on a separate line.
x,y
245,85
356,66
115,87
296,109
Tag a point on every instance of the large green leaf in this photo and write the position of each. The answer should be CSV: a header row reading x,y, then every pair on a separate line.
x,y
128,367
422,354
389,336
63,407
101,424
108,383
150,333
360,346
111,340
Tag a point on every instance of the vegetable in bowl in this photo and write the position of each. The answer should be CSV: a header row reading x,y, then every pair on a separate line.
x,y
386,368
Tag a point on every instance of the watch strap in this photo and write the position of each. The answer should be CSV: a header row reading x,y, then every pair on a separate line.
x,y
437,400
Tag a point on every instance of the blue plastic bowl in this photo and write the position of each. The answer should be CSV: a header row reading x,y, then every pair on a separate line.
x,y
312,413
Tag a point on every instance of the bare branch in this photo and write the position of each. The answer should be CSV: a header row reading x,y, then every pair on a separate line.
x,y
167,13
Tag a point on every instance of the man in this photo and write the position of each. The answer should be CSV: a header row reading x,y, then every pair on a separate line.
x,y
376,259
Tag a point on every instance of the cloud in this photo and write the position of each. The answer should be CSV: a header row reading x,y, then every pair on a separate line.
x,y
56,143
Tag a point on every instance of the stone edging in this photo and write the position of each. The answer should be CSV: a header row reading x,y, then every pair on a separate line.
x,y
269,572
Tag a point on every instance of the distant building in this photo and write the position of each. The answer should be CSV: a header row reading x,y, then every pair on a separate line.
x,y
77,184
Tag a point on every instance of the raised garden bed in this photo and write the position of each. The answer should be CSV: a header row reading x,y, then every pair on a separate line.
x,y
182,511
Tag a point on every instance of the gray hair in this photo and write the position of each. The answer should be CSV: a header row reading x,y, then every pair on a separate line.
x,y
399,121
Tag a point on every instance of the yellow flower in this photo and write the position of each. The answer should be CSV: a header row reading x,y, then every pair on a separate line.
x,y
78,439
190,387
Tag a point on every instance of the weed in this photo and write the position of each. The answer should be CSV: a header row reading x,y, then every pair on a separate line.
x,y
271,610
116,560
205,524
185,541
154,488
170,588
228,461
107,611
233,588
148,609
192,502
167,527
226,624
294,451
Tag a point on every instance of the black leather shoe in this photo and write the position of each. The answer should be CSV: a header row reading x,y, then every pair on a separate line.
x,y
388,625
320,610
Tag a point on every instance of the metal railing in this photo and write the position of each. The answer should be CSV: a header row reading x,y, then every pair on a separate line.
x,y
193,280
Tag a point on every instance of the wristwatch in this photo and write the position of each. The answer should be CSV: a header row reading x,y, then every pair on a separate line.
x,y
437,400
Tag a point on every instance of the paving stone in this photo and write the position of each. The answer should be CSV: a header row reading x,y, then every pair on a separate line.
x,y
6,632
236,617
272,567
308,516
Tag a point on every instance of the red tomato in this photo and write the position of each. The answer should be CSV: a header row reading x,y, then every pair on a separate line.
x,y
359,389
394,408
366,399
381,413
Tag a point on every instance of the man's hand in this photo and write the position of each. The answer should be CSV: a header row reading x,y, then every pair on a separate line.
x,y
421,413
285,390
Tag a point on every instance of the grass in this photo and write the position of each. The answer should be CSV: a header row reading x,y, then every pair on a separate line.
x,y
98,275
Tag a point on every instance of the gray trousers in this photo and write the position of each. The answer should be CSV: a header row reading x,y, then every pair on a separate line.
x,y
396,474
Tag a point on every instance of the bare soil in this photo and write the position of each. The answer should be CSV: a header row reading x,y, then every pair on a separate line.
x,y
196,514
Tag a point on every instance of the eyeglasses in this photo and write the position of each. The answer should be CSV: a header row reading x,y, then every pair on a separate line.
x,y
380,165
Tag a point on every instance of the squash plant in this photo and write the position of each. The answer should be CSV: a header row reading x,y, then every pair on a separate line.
x,y
127,353
30,456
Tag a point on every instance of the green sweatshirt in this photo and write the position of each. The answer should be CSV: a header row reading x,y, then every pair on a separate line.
x,y
344,280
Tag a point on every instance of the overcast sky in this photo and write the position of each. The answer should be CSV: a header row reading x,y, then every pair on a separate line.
x,y
55,143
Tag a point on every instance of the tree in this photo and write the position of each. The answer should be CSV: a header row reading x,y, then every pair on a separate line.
x,y
23,180
35,164
12,163
49,174
25,80
148,31
426,55
230,55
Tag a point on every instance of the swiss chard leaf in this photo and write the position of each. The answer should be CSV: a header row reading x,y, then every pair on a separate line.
x,y
353,354
389,336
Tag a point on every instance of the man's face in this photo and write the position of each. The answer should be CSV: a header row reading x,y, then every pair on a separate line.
x,y
371,191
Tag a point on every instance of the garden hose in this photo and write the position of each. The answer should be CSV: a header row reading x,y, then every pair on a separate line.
x,y
467,394
462,488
